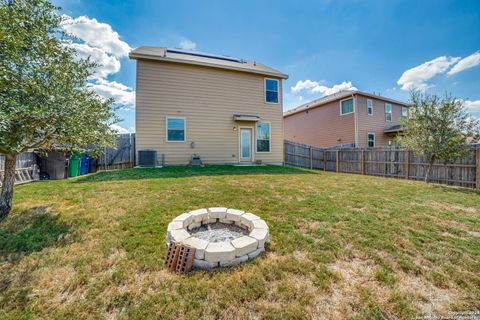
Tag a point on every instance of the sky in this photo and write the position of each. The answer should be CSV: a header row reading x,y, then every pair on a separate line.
x,y
386,47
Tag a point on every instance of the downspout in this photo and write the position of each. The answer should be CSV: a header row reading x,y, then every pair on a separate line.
x,y
355,117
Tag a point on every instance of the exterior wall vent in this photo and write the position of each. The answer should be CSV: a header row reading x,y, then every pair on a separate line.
x,y
147,158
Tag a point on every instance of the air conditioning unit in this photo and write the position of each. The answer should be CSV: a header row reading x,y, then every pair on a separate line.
x,y
147,158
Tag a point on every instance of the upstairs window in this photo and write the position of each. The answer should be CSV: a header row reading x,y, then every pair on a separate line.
x,y
346,106
404,112
369,107
271,91
176,129
371,139
263,137
388,112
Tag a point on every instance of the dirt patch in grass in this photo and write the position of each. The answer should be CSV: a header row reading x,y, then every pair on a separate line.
x,y
357,291
475,234
452,207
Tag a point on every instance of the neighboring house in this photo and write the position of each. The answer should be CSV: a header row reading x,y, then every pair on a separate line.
x,y
347,118
223,109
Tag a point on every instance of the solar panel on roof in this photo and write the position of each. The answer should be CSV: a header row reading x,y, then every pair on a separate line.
x,y
204,55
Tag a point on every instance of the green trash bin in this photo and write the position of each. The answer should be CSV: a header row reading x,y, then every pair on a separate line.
x,y
74,165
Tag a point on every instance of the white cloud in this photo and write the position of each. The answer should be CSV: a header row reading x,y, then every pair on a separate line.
x,y
466,63
107,64
118,129
186,44
472,106
416,78
102,44
96,34
316,87
122,94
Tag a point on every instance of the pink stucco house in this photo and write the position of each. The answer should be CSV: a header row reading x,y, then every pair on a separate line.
x,y
348,118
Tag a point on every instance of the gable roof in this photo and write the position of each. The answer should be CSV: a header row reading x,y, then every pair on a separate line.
x,y
204,59
337,96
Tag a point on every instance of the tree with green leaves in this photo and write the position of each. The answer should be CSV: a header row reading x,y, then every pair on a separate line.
x,y
45,100
438,128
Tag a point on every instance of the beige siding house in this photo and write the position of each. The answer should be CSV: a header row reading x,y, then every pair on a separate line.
x,y
225,110
348,118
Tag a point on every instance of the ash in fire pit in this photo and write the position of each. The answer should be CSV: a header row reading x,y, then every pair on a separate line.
x,y
218,232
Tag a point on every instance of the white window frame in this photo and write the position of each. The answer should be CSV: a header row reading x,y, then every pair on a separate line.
x,y
269,140
374,139
404,108
184,128
368,107
391,112
265,90
340,106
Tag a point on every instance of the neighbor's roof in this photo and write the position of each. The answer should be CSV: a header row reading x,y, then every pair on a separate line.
x,y
336,96
204,59
394,129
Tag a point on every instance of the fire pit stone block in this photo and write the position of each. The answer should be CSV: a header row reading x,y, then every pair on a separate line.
x,y
199,215
202,264
244,245
185,218
234,262
174,225
199,244
234,214
179,235
259,224
261,235
194,225
217,213
209,221
219,252
247,219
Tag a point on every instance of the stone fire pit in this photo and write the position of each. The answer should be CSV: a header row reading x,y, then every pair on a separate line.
x,y
222,237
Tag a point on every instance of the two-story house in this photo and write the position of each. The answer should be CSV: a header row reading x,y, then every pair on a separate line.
x,y
346,118
223,109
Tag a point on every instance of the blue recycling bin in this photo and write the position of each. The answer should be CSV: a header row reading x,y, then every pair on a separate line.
x,y
85,164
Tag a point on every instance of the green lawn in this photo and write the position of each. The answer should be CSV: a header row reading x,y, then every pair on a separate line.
x,y
342,246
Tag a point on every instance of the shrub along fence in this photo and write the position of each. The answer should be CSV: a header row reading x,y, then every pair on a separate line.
x,y
386,162
26,168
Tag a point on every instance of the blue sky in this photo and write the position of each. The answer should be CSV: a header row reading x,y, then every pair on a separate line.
x,y
386,47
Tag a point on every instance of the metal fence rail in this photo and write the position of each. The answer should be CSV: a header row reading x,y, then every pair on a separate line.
x,y
386,162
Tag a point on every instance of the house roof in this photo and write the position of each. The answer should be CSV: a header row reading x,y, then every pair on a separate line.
x,y
204,59
337,96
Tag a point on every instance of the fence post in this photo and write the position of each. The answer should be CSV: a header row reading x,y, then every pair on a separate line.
x,y
407,164
295,154
338,160
477,171
311,158
363,161
324,159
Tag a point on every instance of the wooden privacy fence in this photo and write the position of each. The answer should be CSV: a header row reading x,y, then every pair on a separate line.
x,y
122,156
386,162
26,168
